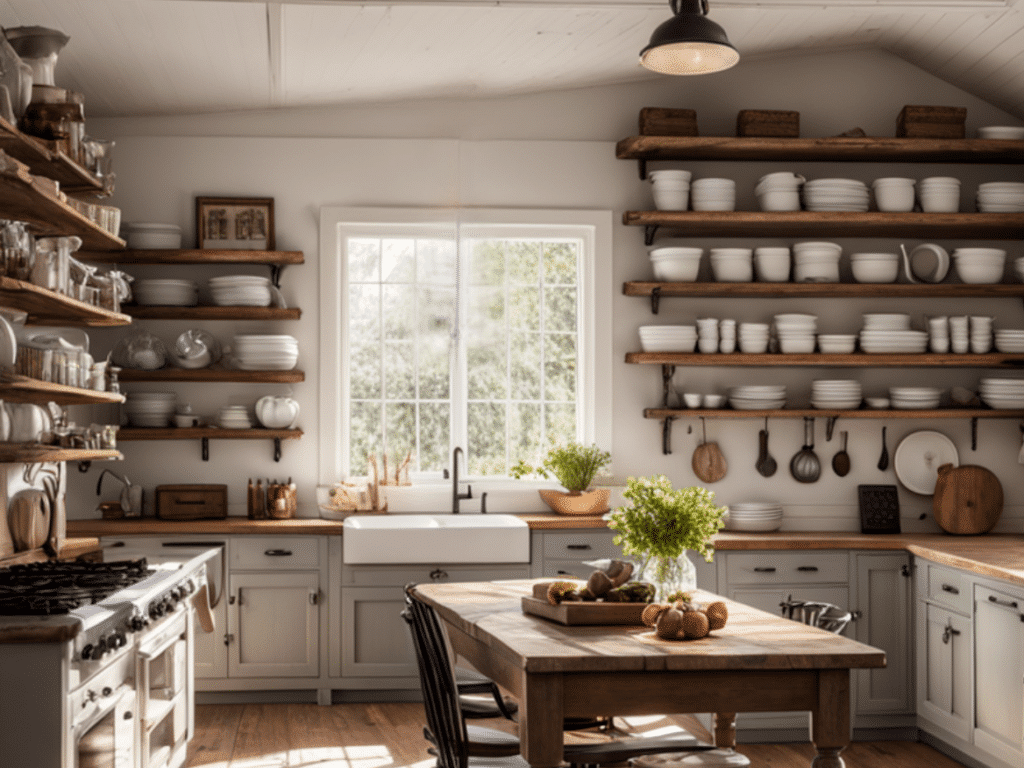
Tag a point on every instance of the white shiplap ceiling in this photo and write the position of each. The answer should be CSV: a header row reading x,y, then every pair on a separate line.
x,y
166,57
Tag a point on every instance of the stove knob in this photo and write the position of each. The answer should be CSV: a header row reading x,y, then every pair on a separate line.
x,y
156,610
137,623
87,652
117,640
189,587
101,648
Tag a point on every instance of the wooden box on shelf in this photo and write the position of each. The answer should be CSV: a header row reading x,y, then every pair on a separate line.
x,y
663,121
768,122
920,122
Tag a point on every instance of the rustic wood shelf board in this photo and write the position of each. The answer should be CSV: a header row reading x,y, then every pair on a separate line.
x,y
869,149
29,453
822,290
212,375
43,162
44,307
210,433
213,313
856,360
194,256
864,413
22,389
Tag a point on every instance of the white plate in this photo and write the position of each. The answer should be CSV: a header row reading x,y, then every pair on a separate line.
x,y
918,458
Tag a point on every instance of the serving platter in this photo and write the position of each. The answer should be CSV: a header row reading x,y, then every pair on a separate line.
x,y
582,613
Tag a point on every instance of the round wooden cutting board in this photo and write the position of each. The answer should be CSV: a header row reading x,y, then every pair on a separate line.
x,y
968,499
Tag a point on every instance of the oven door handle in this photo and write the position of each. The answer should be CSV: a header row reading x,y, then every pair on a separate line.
x,y
173,637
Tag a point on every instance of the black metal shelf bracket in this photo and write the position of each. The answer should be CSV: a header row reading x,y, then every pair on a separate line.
x,y
650,230
275,274
641,164
667,372
205,441
277,449
655,299
830,425
666,435
974,433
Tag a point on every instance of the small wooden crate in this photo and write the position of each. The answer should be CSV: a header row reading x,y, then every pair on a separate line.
x,y
922,122
191,502
661,121
768,122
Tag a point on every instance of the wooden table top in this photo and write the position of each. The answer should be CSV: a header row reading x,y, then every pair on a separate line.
x,y
491,613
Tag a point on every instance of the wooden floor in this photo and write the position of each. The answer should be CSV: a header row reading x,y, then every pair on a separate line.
x,y
391,736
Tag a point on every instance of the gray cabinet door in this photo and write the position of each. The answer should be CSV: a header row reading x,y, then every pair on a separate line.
x,y
999,673
375,637
944,690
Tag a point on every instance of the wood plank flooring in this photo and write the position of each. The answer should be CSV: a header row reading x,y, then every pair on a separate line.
x,y
391,736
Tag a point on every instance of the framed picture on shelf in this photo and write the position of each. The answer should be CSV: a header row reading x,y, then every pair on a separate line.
x,y
235,223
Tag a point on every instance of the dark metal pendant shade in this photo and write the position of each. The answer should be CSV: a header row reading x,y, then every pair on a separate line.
x,y
689,43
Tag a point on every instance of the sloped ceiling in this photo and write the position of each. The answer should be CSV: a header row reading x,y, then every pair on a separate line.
x,y
167,57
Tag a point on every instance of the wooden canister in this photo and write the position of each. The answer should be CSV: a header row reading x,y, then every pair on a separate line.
x,y
968,499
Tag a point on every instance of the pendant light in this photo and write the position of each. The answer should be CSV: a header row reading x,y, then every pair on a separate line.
x,y
689,43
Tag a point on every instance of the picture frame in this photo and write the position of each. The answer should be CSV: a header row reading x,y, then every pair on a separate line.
x,y
235,223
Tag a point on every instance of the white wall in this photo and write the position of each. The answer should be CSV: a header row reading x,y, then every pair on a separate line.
x,y
553,150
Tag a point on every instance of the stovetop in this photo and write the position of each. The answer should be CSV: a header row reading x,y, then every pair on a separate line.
x,y
59,587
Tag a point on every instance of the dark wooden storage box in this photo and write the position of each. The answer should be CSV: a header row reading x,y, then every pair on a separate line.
x,y
192,502
661,121
768,122
921,122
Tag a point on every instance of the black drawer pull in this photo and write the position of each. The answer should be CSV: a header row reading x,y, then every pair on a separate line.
x,y
808,568
1004,603
193,502
577,546
278,553
951,589
769,569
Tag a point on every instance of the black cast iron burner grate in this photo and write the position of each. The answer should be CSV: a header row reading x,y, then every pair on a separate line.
x,y
59,587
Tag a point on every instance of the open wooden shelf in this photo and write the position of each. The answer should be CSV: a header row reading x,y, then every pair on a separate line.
x,y
212,375
31,453
22,389
45,307
863,413
193,256
823,290
42,161
210,433
816,360
213,313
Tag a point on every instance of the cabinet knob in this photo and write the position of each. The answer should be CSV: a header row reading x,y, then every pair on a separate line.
x,y
951,589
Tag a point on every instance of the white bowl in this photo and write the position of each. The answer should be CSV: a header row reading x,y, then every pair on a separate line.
x,y
733,270
671,198
875,271
669,175
779,200
796,346
151,235
1006,132
979,273
676,270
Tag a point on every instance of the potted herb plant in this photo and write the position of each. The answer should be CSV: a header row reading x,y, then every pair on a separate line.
x,y
574,466
660,524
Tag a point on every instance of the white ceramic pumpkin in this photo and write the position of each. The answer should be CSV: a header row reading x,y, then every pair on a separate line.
x,y
277,412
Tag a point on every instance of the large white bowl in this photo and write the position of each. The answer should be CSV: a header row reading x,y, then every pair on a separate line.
x,y
875,270
1005,132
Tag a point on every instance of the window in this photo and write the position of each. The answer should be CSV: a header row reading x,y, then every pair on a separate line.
x,y
477,330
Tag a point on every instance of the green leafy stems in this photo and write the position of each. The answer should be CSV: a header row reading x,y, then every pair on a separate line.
x,y
573,465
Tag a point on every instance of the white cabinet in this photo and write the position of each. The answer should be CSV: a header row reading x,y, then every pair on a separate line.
x,y
999,672
944,690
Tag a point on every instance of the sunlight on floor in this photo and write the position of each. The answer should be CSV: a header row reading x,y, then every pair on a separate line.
x,y
369,756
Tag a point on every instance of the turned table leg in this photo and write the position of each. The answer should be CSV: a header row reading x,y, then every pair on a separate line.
x,y
725,730
830,725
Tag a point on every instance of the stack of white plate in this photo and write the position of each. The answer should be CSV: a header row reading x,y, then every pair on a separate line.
x,y
836,393
166,293
1001,197
1010,341
753,338
779,191
754,516
150,409
240,291
234,417
265,352
713,195
886,321
835,195
1002,393
816,262
914,398
893,342
668,338
758,397
796,333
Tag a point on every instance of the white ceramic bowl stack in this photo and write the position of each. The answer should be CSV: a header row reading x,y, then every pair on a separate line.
x,y
772,264
234,417
894,194
939,194
1003,132
668,338
914,398
959,334
890,333
707,334
875,267
150,409
240,291
979,266
1010,341
1001,197
836,195
165,293
1002,393
795,333
671,189
265,352
816,262
836,393
676,264
753,338
837,343
713,195
980,334
779,191
146,235
757,397
732,265
754,516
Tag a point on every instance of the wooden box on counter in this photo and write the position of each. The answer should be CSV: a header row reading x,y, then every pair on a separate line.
x,y
664,121
192,502
768,122
921,122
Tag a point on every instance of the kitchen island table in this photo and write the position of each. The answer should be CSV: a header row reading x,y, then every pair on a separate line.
x,y
757,663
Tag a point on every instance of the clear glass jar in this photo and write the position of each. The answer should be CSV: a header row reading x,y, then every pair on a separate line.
x,y
669,575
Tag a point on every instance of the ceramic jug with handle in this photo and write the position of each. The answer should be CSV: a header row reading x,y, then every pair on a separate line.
x,y
277,412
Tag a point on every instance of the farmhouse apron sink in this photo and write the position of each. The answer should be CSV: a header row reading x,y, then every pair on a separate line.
x,y
374,539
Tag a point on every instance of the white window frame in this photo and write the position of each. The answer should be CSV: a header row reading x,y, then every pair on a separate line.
x,y
595,328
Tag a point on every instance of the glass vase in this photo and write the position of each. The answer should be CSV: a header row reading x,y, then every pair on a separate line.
x,y
669,575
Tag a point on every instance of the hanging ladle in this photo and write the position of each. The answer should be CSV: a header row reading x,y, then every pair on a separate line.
x,y
766,463
805,466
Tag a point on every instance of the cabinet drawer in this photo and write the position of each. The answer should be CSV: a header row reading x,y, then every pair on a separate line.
x,y
579,545
399,576
949,587
786,567
280,552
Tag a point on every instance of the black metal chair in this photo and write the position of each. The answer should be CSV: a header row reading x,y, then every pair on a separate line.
x,y
480,697
457,745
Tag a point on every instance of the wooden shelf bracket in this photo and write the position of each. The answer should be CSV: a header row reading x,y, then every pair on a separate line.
x,y
667,372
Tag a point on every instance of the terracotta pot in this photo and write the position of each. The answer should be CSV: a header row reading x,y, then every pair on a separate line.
x,y
586,503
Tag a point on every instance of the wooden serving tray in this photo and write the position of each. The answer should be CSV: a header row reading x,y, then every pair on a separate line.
x,y
579,613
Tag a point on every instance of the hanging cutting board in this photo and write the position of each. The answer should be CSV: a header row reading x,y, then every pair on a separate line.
x,y
968,499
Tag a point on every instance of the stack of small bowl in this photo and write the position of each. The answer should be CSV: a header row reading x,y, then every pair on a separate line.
x,y
939,194
779,191
1002,393
1001,197
668,338
754,516
979,266
707,334
914,398
1010,341
267,352
671,189
816,262
149,409
875,267
836,393
756,397
836,195
796,333
240,291
753,338
713,195
894,194
732,265
676,264
165,293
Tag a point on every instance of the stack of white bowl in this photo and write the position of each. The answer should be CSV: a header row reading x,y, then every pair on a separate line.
x,y
668,338
1001,197
779,191
727,335
149,409
837,343
1002,393
732,265
713,195
772,264
816,262
671,189
938,334
890,333
939,194
166,293
707,334
757,397
676,264
1004,132
914,398
796,333
151,235
875,267
979,266
959,335
836,393
753,338
254,352
894,194
1010,341
240,291
836,195
234,417
981,334
754,516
